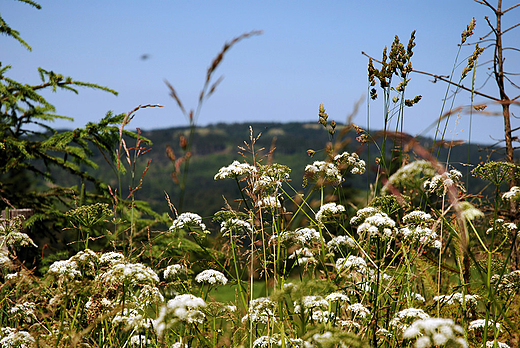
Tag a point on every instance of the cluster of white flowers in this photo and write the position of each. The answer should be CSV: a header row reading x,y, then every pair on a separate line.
x,y
5,261
103,304
304,236
11,338
491,344
271,177
480,324
502,227
320,316
417,217
140,341
211,276
336,243
149,295
409,175
129,274
327,211
470,300
265,342
11,235
303,256
352,160
327,170
131,319
415,296
309,303
291,342
422,235
187,220
180,308
235,225
378,225
348,324
404,318
173,271
235,170
111,258
362,214
261,310
435,332
269,202
510,282
441,183
179,345
512,195
336,297
352,263
87,261
65,270
24,311
358,310
18,239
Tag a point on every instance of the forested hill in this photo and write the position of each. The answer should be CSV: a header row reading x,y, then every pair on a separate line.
x,y
217,145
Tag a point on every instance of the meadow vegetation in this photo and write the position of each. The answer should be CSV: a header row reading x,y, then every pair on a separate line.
x,y
416,259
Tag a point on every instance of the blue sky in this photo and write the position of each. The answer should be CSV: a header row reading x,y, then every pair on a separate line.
x,y
309,53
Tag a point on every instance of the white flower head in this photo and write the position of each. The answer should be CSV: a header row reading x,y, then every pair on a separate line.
x,y
269,202
187,221
265,342
350,161
14,338
65,270
184,308
441,183
512,195
404,318
337,243
211,276
326,170
327,211
235,225
173,271
435,332
261,310
111,258
234,170
303,256
358,310
350,264
130,274
378,225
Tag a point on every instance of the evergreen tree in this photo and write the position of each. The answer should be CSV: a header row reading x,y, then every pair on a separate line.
x,y
30,148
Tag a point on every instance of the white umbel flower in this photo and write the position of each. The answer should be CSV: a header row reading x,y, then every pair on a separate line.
x,y
211,276
235,170
435,332
327,211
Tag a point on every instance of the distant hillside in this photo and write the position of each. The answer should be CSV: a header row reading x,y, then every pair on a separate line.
x,y
216,146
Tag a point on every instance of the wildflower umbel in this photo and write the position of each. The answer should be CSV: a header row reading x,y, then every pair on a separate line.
x,y
435,332
441,183
327,211
350,161
376,224
211,276
187,220
235,170
324,170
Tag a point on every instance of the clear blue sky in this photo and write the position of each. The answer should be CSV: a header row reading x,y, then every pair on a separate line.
x,y
309,53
